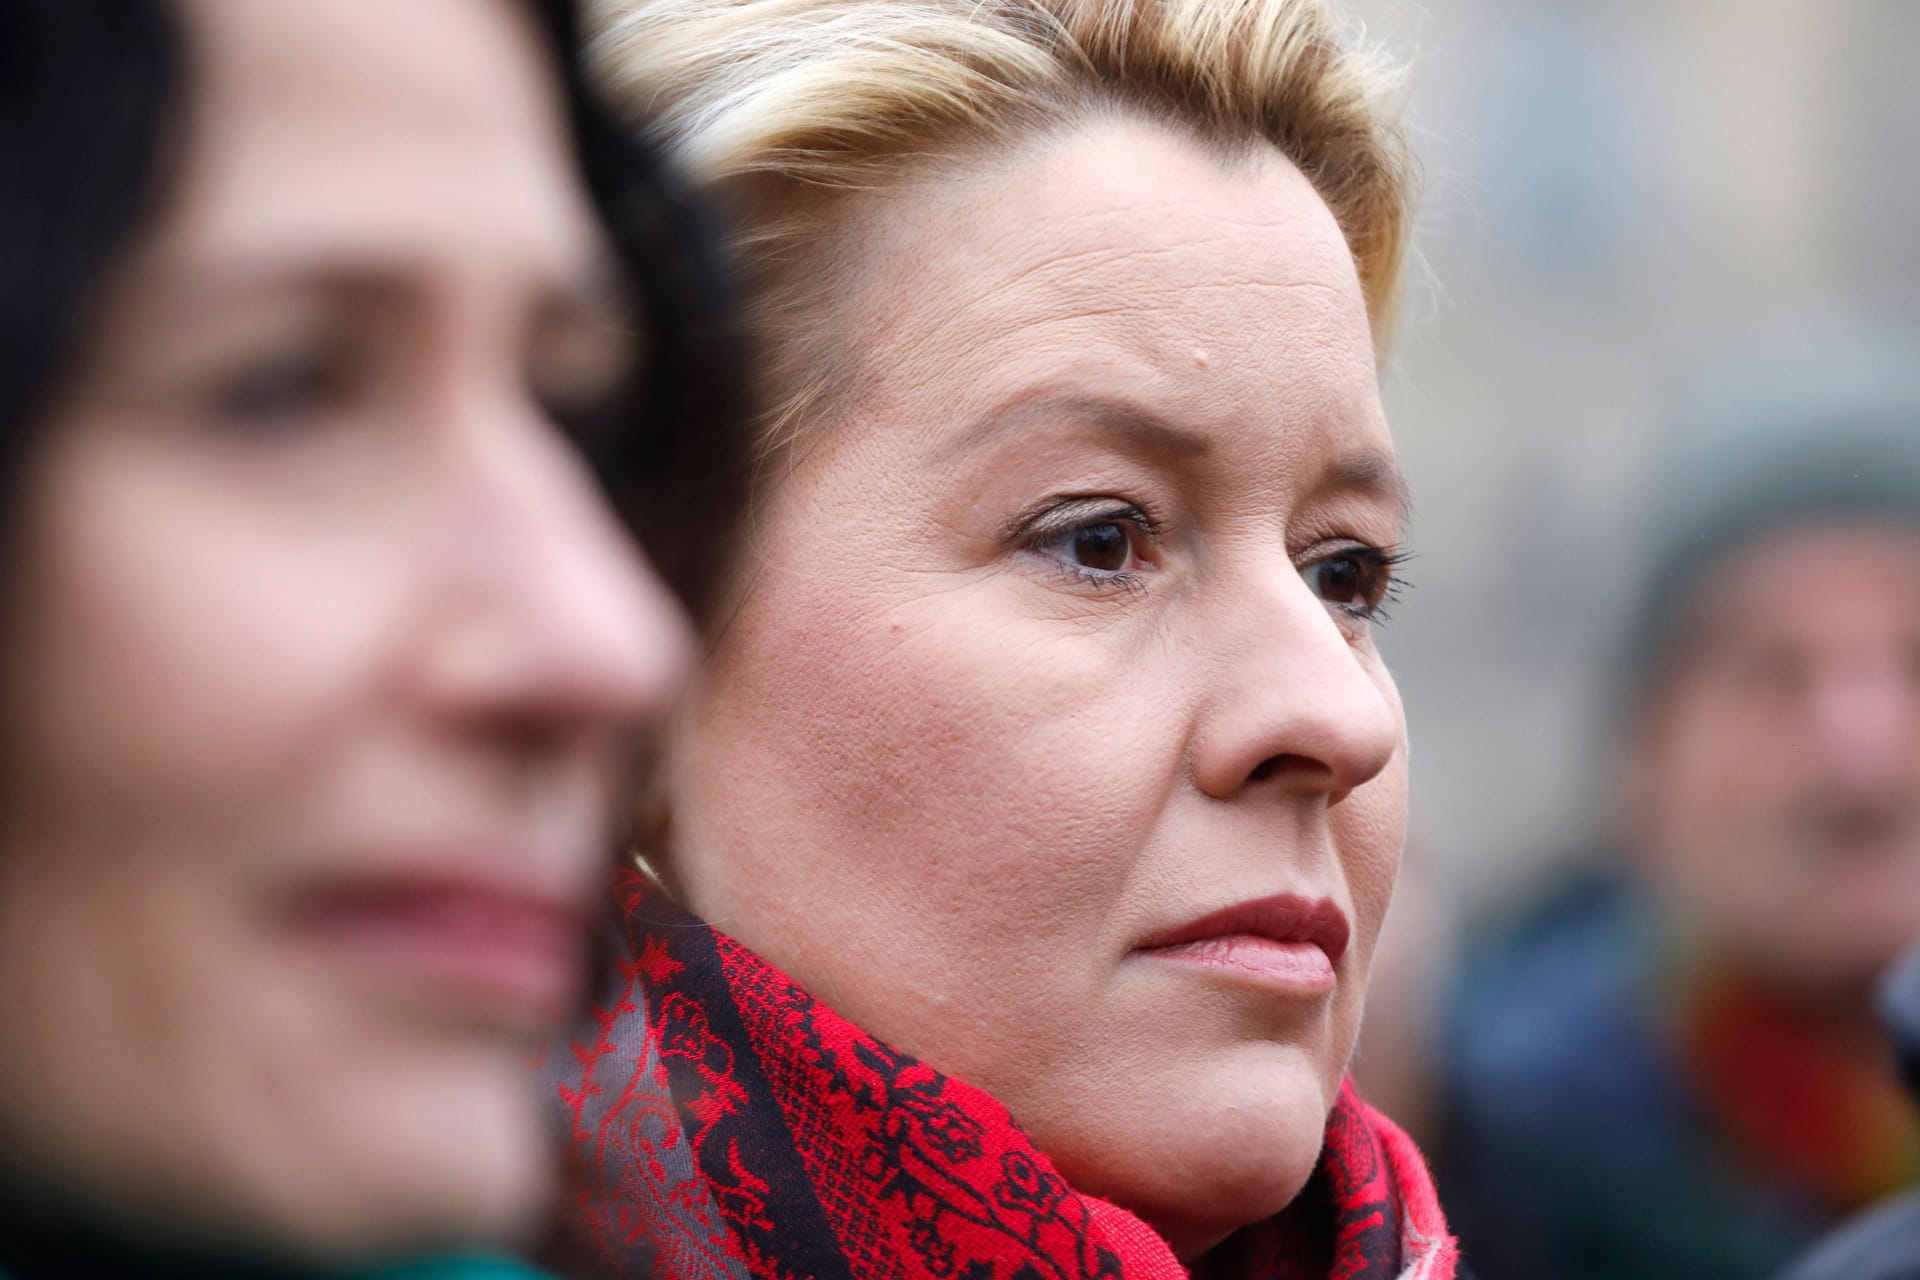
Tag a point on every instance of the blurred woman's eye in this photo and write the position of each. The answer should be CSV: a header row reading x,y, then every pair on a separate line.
x,y
1359,581
580,409
580,371
286,388
1107,547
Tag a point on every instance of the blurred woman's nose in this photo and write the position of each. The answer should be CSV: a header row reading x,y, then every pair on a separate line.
x,y
1293,706
562,618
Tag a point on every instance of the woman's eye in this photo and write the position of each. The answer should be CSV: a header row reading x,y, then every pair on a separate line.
x,y
580,410
1358,581
1105,548
581,371
1342,581
282,390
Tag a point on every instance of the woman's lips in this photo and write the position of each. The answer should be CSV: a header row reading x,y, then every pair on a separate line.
x,y
1286,941
501,953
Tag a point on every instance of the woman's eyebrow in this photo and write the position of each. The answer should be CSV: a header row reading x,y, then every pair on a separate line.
x,y
197,284
1370,472
375,270
1139,428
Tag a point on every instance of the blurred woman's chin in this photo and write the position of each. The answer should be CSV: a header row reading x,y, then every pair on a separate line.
x,y
443,1152
482,1170
366,1171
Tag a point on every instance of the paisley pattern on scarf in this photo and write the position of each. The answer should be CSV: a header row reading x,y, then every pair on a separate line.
x,y
727,1124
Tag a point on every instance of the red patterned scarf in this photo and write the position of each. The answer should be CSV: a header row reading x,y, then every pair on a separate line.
x,y
727,1124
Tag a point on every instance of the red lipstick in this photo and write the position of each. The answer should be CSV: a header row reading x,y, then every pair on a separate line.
x,y
1284,941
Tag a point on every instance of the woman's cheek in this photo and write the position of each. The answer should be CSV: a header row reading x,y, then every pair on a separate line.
x,y
1370,826
963,747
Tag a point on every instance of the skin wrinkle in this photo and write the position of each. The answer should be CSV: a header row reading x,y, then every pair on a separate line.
x,y
951,786
882,235
1131,426
1144,304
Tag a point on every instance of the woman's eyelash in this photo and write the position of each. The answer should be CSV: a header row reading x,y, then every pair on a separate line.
x,y
1357,579
1390,559
1070,534
1071,514
1383,564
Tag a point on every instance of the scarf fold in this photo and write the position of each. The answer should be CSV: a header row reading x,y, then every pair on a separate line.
x,y
1791,1098
725,1123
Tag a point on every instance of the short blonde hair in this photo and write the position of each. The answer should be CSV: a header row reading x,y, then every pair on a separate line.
x,y
790,105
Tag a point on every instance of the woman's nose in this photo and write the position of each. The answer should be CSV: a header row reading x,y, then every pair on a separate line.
x,y
1293,706
561,621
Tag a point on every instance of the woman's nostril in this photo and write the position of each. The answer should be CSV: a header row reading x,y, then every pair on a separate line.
x,y
1278,765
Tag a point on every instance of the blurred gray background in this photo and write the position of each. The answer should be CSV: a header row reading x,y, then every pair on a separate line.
x,y
1616,191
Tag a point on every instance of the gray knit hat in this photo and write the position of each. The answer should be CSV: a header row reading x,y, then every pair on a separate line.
x,y
1774,441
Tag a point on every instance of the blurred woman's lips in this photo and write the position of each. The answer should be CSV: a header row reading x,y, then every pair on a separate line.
x,y
1285,941
497,951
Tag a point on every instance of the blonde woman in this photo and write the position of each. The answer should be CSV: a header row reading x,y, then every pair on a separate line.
x,y
1042,744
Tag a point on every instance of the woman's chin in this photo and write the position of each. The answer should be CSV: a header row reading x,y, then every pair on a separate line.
x,y
1226,1195
1238,1153
482,1183
468,1209
421,1162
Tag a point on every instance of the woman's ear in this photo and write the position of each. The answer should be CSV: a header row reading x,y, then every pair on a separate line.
x,y
649,824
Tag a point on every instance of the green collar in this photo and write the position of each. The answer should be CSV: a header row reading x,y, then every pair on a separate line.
x,y
471,1268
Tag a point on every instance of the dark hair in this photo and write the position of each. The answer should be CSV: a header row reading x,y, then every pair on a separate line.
x,y
680,474
87,93
93,107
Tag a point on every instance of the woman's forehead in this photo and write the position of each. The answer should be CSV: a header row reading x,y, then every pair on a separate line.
x,y
1127,292
320,116
463,60
1124,243
1112,198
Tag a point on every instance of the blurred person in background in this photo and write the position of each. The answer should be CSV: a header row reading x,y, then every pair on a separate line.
x,y
1047,741
1673,1068
324,649
1884,1242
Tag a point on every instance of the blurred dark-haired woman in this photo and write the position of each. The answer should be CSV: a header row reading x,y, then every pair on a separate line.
x,y
325,643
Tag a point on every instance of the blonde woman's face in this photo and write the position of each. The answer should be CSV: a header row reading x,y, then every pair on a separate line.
x,y
1057,645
